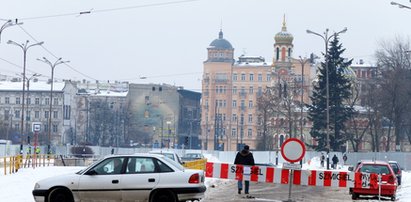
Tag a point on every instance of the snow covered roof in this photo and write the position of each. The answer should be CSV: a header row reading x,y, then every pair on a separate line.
x,y
34,86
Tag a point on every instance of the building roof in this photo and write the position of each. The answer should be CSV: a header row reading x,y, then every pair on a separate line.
x,y
34,86
220,43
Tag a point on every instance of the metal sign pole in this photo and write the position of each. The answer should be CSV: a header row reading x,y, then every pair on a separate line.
x,y
291,184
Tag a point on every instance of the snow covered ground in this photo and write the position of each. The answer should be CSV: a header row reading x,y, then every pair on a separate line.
x,y
18,187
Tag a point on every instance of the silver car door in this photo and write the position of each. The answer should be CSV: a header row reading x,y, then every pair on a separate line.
x,y
102,182
139,179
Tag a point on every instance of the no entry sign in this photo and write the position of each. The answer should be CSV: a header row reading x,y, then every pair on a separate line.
x,y
293,150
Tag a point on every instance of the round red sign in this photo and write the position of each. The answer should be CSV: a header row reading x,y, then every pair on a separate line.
x,y
293,150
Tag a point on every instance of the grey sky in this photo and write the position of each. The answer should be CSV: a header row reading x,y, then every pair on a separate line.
x,y
167,43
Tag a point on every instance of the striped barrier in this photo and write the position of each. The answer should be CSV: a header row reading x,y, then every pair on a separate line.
x,y
267,174
199,164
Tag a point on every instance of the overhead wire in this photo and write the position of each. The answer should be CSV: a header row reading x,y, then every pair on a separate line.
x,y
107,10
48,51
89,12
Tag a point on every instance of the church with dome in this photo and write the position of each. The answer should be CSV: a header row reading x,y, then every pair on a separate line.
x,y
231,87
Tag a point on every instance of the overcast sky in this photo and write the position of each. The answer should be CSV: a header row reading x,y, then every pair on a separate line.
x,y
166,40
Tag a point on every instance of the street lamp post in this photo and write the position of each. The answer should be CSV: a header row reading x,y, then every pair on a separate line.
x,y
8,23
302,61
24,47
52,65
326,39
28,96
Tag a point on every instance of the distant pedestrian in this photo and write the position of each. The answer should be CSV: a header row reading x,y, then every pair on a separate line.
x,y
322,158
244,157
37,150
335,161
345,158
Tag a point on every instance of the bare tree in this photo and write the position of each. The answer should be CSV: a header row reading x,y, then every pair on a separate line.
x,y
395,66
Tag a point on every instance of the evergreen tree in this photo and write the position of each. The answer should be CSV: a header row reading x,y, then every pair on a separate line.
x,y
339,91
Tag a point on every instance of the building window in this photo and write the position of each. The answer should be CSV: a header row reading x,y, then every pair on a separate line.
x,y
251,77
234,77
224,103
17,114
36,114
268,77
242,103
28,101
277,53
7,100
234,89
28,115
7,115
46,114
250,104
47,101
216,89
251,90
55,101
234,103
250,118
250,132
233,132
55,127
55,114
46,127
17,126
260,77
18,100
234,117
37,101
243,77
260,91
67,112
242,90
242,119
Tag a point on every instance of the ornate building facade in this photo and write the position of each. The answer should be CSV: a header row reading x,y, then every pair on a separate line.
x,y
231,87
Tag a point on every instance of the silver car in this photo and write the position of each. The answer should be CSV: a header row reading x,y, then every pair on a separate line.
x,y
125,178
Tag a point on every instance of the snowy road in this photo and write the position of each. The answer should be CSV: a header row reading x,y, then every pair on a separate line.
x,y
227,191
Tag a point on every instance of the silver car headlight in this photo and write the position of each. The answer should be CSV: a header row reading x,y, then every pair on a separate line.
x,y
36,186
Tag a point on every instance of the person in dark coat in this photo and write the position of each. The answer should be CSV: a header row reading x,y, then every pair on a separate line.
x,y
335,161
322,158
244,157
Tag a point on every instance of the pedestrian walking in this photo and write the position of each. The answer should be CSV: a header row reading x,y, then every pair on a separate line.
x,y
244,157
335,161
322,158
345,158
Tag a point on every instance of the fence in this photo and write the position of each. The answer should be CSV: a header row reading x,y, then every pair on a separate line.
x,y
264,157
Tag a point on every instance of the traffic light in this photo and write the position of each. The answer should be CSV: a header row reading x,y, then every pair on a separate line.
x,y
186,140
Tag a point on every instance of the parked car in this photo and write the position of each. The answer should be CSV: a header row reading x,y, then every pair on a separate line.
x,y
388,180
192,156
397,170
170,154
136,177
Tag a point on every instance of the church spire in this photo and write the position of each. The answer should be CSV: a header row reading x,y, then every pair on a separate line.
x,y
284,28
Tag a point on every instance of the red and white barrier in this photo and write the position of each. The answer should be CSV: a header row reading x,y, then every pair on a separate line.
x,y
267,174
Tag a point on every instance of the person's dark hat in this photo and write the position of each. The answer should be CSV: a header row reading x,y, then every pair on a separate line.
x,y
246,147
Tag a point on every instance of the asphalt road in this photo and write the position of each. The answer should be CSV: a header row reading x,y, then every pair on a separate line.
x,y
227,191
